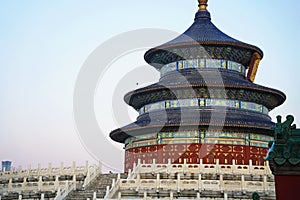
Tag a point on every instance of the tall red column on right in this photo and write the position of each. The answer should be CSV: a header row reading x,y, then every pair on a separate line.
x,y
284,159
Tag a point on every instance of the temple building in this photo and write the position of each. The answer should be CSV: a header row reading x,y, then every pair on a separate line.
x,y
203,130
205,106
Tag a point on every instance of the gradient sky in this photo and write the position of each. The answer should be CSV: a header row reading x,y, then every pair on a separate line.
x,y
45,43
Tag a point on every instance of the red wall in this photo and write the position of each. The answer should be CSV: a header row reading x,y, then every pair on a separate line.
x,y
194,152
287,187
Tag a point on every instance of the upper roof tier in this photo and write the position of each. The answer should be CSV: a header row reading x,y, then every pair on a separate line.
x,y
203,40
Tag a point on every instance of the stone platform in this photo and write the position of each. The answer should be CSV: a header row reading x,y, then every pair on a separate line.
x,y
197,181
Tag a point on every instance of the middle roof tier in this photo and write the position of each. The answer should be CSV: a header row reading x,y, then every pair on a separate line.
x,y
205,83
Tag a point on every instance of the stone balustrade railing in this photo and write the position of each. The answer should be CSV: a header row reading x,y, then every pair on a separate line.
x,y
40,185
179,185
264,184
200,168
62,194
199,185
61,180
50,171
92,174
36,186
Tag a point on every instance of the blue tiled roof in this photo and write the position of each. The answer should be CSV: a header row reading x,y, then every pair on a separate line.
x,y
188,78
201,32
150,123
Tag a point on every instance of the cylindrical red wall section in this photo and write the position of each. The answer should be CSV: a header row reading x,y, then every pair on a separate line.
x,y
287,187
209,153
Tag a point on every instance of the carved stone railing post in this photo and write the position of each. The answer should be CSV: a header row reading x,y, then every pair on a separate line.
x,y
113,183
265,184
184,168
198,196
169,166
86,166
243,184
119,195
67,186
250,167
58,194
28,171
40,183
225,196
221,183
74,167
100,166
267,169
10,184
139,164
74,181
134,166
107,193
138,176
233,165
56,183
39,169
171,195
200,185
201,168
157,182
130,174
87,179
11,170
20,169
61,168
178,183
50,168
24,184
217,166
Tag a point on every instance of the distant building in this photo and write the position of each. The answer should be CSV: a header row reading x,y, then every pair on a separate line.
x,y
6,165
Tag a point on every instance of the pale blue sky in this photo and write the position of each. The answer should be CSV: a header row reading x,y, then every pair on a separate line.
x,y
44,44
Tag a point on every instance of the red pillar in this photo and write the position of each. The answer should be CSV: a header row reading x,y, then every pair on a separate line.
x,y
287,187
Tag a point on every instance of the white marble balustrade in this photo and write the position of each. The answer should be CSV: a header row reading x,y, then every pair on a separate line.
x,y
172,177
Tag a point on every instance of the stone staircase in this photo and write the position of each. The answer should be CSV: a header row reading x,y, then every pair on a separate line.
x,y
98,185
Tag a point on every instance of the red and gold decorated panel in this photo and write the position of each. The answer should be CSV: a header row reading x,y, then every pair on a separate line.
x,y
209,153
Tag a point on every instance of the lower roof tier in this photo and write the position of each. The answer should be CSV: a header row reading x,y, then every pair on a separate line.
x,y
194,119
205,83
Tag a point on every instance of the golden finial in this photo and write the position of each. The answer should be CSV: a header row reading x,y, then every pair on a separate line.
x,y
202,4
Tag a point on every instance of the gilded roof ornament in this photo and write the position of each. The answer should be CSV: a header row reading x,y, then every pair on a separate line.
x,y
202,5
